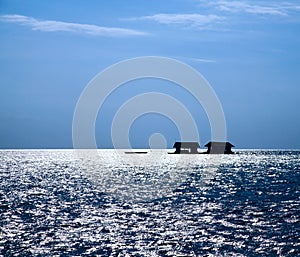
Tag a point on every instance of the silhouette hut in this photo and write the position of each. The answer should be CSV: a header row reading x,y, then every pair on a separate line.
x,y
219,148
186,147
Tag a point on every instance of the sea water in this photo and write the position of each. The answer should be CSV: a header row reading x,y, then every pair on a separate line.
x,y
61,203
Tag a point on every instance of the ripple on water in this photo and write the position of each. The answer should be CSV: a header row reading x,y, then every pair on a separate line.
x,y
241,205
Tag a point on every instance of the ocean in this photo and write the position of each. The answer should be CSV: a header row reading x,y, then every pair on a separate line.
x,y
70,203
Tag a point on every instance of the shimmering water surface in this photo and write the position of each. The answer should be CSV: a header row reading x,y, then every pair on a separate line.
x,y
52,204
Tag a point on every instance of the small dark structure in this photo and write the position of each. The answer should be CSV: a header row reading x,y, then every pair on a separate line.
x,y
219,148
143,152
186,147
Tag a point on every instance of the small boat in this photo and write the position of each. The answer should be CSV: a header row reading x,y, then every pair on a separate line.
x,y
131,152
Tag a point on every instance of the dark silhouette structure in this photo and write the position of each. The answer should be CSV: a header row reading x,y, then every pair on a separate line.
x,y
186,147
143,152
219,148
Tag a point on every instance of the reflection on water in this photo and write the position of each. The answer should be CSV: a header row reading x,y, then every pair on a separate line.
x,y
156,205
143,177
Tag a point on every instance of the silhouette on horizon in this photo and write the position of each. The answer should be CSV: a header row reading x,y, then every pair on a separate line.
x,y
213,148
219,148
186,147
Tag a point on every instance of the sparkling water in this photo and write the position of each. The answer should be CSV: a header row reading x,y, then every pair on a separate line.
x,y
61,202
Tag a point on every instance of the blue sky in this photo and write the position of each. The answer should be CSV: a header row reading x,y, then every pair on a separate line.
x,y
249,51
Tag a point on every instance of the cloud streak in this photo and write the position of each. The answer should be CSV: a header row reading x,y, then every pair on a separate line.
x,y
203,60
269,8
55,26
193,20
192,59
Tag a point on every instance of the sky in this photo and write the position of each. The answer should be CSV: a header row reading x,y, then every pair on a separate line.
x,y
249,52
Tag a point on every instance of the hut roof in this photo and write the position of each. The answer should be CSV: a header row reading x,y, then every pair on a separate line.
x,y
186,144
219,143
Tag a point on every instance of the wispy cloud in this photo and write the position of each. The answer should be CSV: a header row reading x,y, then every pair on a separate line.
x,y
192,20
192,59
261,8
52,26
203,60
